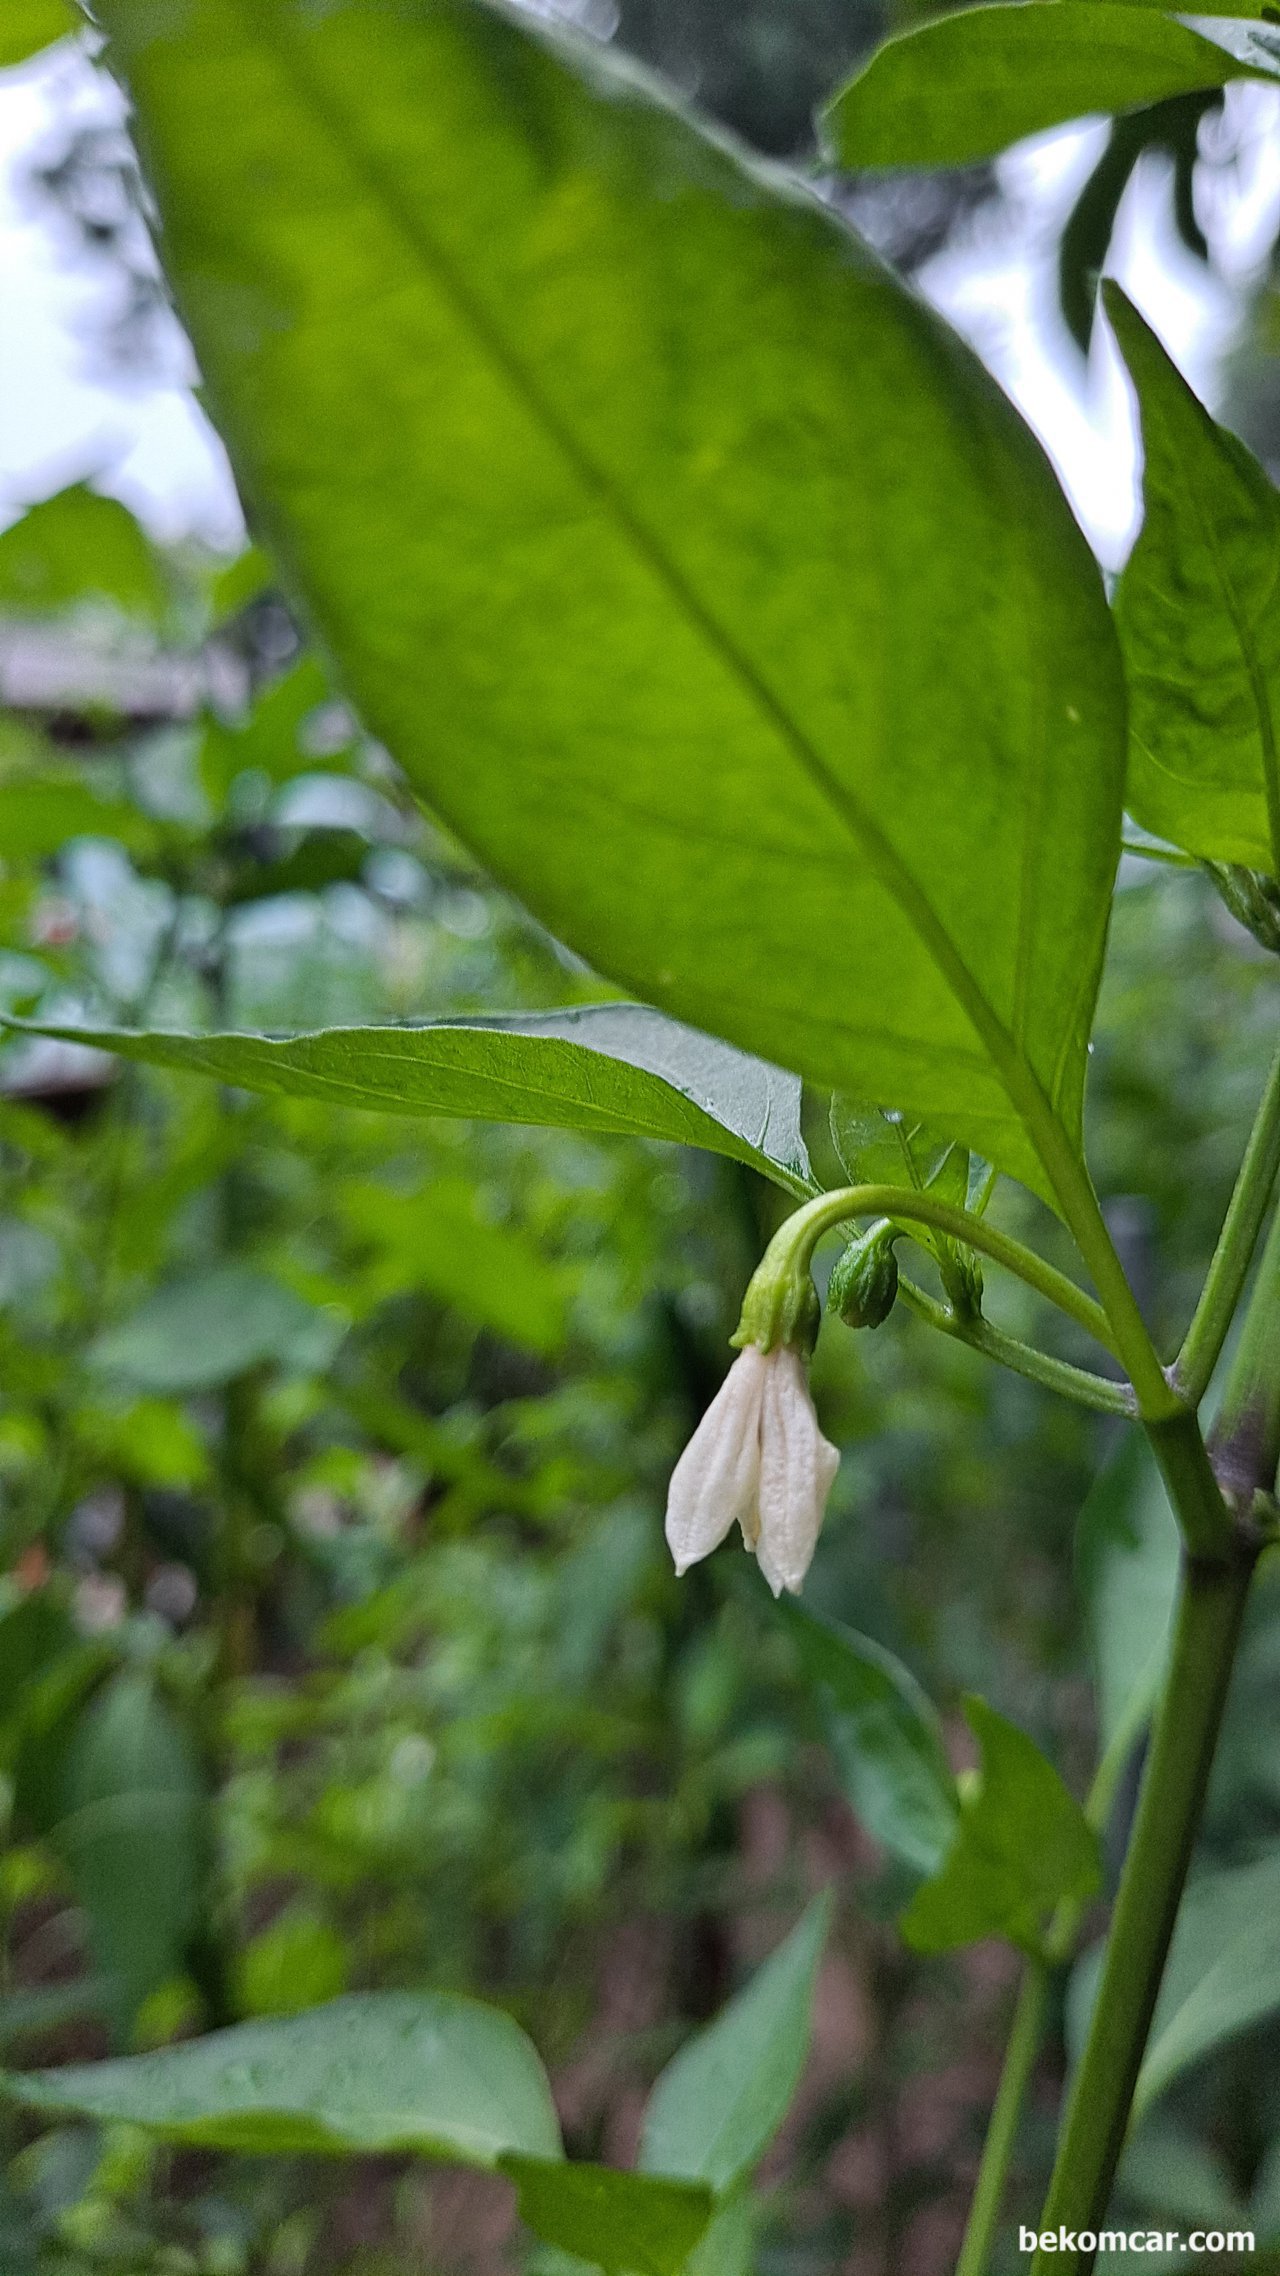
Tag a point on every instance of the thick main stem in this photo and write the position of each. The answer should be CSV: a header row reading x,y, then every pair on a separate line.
x,y
1210,1610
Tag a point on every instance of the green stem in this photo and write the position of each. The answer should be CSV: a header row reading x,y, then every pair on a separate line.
x,y
1237,1241
1078,1383
1207,1628
997,2150
792,1246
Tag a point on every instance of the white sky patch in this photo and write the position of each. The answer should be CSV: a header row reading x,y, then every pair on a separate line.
x,y
64,415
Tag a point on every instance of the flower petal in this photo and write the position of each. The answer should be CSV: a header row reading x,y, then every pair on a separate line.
x,y
797,1469
714,1482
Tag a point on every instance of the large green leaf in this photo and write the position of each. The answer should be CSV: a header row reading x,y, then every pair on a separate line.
x,y
885,1736
969,84
78,547
1127,1556
603,1067
375,2071
1198,609
1223,1974
692,569
28,25
630,2224
1021,1844
718,2105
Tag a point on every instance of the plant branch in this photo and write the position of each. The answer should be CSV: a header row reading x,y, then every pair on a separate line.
x,y
997,2150
1078,1383
797,1238
1237,1241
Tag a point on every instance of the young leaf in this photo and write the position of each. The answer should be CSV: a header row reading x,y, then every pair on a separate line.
x,y
629,2224
967,85
717,2106
885,1736
599,1067
1127,1553
1223,1974
1022,1843
134,1817
1198,612
879,1148
376,2071
690,567
29,25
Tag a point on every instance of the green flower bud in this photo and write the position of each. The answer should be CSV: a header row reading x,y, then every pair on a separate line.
x,y
864,1285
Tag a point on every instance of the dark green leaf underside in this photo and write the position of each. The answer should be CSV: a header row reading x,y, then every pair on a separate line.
x,y
617,1068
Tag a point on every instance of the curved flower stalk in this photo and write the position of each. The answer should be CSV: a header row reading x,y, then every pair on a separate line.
x,y
758,1458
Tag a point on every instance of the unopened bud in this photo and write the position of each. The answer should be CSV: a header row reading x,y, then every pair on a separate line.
x,y
864,1284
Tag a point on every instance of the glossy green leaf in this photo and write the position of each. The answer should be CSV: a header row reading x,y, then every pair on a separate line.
x,y
1022,1843
1223,1974
967,85
79,547
885,1736
134,1817
1127,1558
26,26
600,1067
213,1325
628,2223
718,2105
377,2071
440,1239
691,568
1198,611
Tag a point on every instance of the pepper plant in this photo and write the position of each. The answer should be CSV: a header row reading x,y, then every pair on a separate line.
x,y
715,597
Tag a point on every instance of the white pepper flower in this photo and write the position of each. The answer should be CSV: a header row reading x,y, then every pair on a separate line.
x,y
759,1457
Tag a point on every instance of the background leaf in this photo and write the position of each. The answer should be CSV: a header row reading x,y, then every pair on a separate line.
x,y
1022,1843
852,698
29,25
208,1327
439,1239
885,1736
969,84
601,1067
624,2222
80,547
375,2071
717,2106
1198,611
1127,1558
1223,1974
133,1833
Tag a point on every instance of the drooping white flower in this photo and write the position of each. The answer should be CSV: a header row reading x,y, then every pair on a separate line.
x,y
797,1471
715,1479
759,1457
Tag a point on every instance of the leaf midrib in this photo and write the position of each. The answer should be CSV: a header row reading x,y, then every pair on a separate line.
x,y
1032,1105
